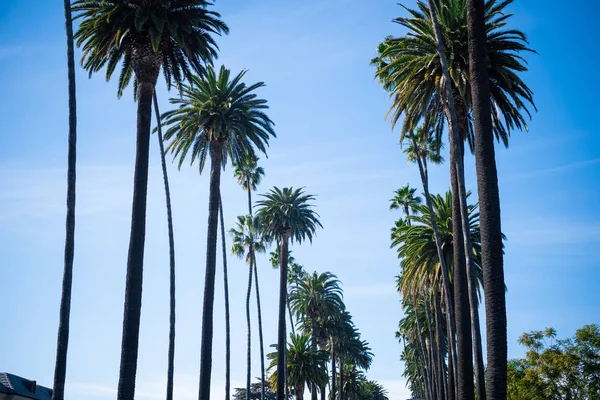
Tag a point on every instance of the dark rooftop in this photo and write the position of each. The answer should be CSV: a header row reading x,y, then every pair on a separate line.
x,y
15,385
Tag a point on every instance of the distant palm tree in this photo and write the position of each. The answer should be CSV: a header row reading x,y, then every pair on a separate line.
x,y
405,199
287,215
248,240
220,117
134,33
314,300
62,342
249,175
305,365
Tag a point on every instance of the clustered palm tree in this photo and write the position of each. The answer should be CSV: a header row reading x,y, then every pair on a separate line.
x,y
458,63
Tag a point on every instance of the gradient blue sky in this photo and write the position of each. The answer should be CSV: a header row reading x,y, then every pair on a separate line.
x,y
332,139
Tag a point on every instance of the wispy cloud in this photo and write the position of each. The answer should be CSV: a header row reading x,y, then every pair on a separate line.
x,y
545,171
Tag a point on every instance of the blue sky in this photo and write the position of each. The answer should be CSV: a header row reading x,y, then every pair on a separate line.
x,y
332,139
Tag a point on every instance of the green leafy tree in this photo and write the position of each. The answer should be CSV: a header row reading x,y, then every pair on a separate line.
x,y
62,342
144,36
405,199
287,215
557,369
221,117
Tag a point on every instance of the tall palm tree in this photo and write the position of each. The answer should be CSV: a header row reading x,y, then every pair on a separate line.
x,y
248,240
171,352
314,300
222,117
249,175
287,215
489,200
134,32
305,365
405,199
62,342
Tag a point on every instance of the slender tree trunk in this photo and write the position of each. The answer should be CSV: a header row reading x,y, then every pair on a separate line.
x,y
342,393
290,314
333,377
135,259
313,388
422,164
465,359
451,358
281,332
434,355
464,367
62,343
426,366
440,341
260,333
163,163
489,205
211,265
249,341
227,323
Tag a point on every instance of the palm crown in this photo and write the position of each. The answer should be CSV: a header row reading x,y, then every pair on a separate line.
x,y
248,233
247,171
405,199
288,212
410,70
218,111
145,35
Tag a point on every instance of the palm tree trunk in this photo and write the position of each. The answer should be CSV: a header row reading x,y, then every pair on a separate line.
x,y
281,332
211,264
489,205
332,393
249,341
342,393
260,333
451,358
426,366
440,349
171,353
290,314
422,164
468,251
62,342
434,355
313,388
465,358
227,323
135,259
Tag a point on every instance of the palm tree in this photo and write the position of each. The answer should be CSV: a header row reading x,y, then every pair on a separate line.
x,y
287,215
248,239
405,199
224,118
489,200
249,175
305,365
134,32
62,342
171,353
314,300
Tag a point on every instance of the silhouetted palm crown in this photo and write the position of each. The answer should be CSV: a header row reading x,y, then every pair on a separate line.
x,y
217,110
248,232
288,212
404,198
246,170
145,35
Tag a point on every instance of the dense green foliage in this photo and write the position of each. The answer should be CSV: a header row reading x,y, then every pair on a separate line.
x,y
557,369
